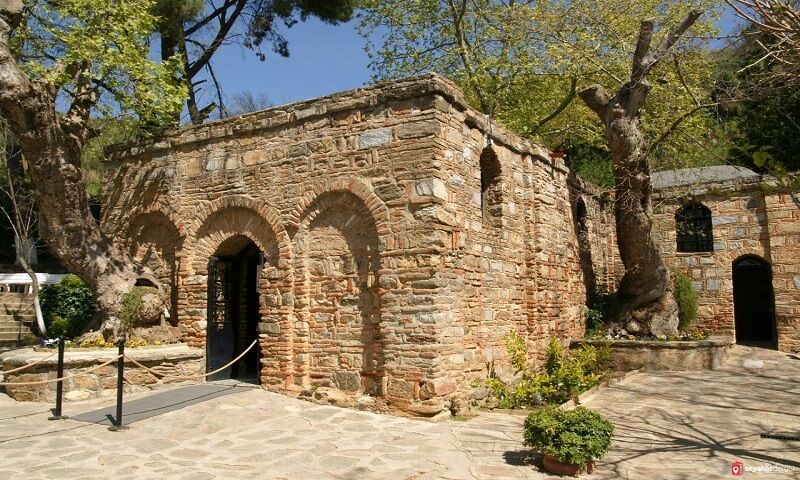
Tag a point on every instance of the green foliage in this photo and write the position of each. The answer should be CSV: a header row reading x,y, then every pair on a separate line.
x,y
572,436
566,374
554,356
765,124
75,45
686,298
67,307
517,351
132,307
523,62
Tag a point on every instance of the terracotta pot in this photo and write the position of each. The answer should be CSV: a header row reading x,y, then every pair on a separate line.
x,y
553,465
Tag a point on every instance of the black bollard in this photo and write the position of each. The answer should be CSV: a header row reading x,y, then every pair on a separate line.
x,y
120,365
59,384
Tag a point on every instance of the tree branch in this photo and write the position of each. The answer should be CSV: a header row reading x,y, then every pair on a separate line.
x,y
225,26
596,98
211,16
673,126
573,86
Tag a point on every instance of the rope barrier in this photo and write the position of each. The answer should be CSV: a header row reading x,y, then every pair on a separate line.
x,y
42,382
6,372
189,377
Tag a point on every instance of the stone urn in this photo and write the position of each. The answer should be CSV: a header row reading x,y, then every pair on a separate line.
x,y
554,465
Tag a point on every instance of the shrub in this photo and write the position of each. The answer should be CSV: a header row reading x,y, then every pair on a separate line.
x,y
600,310
67,307
566,375
132,306
576,436
686,298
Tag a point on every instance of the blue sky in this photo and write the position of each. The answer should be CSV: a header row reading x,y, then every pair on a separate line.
x,y
324,59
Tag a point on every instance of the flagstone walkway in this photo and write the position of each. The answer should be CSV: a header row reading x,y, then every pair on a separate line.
x,y
668,425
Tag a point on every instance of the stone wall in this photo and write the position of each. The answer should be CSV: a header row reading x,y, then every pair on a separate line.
x,y
643,355
167,361
403,236
747,220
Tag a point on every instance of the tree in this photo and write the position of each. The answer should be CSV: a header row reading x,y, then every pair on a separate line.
x,y
21,216
196,29
248,102
645,293
765,121
60,62
525,63
775,27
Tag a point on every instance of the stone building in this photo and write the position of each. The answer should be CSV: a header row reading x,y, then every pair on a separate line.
x,y
736,234
379,241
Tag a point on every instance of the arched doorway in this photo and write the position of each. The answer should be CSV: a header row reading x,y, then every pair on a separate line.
x,y
753,302
233,309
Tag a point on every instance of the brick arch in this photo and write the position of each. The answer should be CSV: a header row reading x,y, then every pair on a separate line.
x,y
154,241
337,248
230,222
233,215
373,205
148,218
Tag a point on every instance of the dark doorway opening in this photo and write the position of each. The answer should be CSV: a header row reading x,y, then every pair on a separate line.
x,y
753,302
233,309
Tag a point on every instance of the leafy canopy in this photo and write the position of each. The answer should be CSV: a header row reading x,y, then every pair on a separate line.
x,y
523,62
96,53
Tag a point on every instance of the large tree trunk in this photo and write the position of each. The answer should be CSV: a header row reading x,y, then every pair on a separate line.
x,y
52,144
645,297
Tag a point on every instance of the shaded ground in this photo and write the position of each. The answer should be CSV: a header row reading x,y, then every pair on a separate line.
x,y
695,424
669,425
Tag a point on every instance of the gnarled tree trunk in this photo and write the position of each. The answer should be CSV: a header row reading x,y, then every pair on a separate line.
x,y
52,145
645,297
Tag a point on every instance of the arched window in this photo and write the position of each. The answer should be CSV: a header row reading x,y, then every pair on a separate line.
x,y
580,216
693,226
491,190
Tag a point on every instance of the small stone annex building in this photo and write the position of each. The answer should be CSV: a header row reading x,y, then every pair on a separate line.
x,y
381,241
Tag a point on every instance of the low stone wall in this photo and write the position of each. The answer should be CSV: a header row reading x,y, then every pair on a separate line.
x,y
627,355
170,360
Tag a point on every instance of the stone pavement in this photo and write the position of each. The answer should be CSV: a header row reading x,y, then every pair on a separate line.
x,y
669,425
685,425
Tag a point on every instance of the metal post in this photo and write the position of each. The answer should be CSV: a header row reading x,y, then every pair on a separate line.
x,y
59,384
120,365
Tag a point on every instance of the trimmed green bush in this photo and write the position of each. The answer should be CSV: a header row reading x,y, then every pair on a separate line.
x,y
686,298
67,307
572,436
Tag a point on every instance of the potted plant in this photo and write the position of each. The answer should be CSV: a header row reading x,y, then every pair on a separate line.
x,y
570,440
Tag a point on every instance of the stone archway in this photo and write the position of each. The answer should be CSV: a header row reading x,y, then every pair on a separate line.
x,y
228,232
233,309
337,263
154,242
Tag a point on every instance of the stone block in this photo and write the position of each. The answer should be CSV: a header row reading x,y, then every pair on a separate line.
x,y
347,381
430,189
375,138
418,129
269,328
400,389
